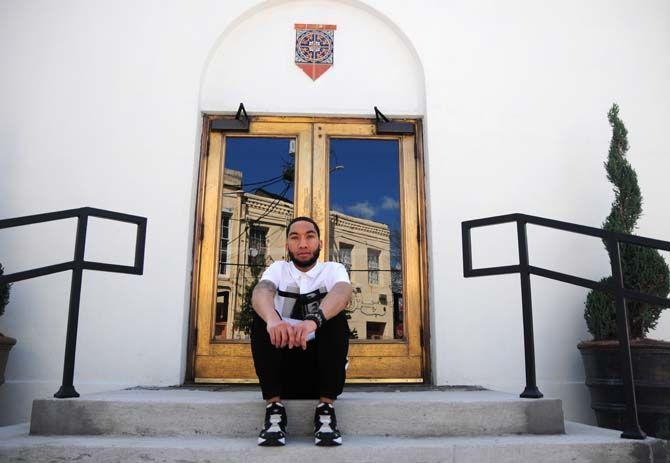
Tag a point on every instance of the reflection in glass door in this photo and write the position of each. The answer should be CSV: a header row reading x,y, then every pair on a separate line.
x,y
365,236
362,188
256,205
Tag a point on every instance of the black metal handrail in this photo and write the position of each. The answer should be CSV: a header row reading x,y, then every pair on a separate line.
x,y
524,269
78,265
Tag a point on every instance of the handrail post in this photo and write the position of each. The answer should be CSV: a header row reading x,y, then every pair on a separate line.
x,y
631,425
77,266
467,250
67,389
531,391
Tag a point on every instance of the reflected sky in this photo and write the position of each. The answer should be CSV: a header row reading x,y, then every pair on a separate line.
x,y
364,174
263,163
367,184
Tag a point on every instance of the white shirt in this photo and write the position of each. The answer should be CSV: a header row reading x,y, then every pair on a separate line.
x,y
287,278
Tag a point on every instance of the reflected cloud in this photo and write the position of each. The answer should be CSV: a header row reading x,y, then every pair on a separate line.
x,y
390,203
363,209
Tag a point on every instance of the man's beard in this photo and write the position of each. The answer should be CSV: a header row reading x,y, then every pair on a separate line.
x,y
305,263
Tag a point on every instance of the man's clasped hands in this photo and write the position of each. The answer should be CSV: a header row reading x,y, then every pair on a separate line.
x,y
283,333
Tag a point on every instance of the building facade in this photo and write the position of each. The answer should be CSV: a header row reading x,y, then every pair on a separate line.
x,y
252,236
111,107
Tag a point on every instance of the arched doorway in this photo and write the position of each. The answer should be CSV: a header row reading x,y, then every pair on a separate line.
x,y
365,189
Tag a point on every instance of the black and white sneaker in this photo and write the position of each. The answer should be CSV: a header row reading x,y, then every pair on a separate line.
x,y
274,430
325,426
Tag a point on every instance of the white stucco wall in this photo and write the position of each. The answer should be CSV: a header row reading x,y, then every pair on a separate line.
x,y
373,65
101,106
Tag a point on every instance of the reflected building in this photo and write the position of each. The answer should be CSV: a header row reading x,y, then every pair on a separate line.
x,y
252,236
364,247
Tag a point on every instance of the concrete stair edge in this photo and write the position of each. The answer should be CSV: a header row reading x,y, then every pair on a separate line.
x,y
581,443
409,415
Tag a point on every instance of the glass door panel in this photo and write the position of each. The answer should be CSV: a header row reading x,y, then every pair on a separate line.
x,y
251,185
256,205
365,233
366,198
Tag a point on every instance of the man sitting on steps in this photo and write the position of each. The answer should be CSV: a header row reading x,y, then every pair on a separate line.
x,y
300,335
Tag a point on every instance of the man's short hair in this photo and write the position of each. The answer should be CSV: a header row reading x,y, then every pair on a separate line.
x,y
303,219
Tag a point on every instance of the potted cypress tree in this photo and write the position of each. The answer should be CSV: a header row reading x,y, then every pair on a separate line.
x,y
6,343
644,270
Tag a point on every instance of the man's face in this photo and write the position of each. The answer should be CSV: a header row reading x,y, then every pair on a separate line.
x,y
303,245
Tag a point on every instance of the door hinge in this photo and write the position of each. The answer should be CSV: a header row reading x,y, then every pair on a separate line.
x,y
202,230
195,336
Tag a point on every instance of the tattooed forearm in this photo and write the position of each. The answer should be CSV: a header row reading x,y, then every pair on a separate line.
x,y
262,300
266,285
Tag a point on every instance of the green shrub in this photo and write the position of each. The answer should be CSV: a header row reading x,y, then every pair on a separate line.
x,y
644,269
244,317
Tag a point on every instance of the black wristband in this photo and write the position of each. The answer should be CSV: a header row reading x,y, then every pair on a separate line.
x,y
317,317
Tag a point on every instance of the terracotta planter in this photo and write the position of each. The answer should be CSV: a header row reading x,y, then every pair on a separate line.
x,y
6,344
651,371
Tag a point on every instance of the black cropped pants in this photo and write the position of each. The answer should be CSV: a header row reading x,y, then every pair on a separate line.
x,y
318,371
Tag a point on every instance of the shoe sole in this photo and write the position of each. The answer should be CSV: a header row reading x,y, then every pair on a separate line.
x,y
272,442
327,442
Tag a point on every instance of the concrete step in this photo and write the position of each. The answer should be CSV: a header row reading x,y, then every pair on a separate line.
x,y
580,444
177,412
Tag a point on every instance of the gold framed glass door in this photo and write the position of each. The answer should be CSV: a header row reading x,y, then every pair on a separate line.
x,y
362,189
366,199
